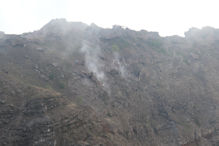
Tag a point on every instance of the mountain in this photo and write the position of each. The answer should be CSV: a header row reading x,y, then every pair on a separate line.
x,y
73,84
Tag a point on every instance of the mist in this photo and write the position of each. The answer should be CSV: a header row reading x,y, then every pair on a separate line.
x,y
93,63
119,66
167,17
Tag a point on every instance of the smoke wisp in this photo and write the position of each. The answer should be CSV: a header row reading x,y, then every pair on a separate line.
x,y
118,65
94,64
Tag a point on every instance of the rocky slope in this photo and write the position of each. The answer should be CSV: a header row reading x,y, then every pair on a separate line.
x,y
72,84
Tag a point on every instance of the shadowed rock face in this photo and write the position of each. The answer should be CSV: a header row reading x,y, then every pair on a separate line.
x,y
70,84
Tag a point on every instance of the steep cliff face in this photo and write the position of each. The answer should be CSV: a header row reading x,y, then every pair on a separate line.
x,y
73,84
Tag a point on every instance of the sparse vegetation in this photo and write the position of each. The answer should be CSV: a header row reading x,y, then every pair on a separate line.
x,y
61,85
51,76
115,48
154,43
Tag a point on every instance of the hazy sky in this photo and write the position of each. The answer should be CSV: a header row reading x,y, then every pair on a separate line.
x,y
168,17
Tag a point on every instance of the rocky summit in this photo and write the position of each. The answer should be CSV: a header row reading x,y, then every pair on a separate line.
x,y
73,84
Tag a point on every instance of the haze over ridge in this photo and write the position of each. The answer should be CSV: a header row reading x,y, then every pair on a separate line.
x,y
168,17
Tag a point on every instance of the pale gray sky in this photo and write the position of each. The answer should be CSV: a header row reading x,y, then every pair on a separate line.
x,y
168,17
